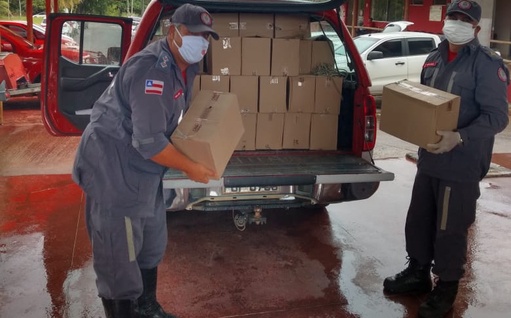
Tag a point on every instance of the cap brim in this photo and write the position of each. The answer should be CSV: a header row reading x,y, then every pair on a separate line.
x,y
463,12
203,28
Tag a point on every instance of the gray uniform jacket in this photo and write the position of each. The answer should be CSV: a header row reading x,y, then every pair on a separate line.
x,y
130,123
480,77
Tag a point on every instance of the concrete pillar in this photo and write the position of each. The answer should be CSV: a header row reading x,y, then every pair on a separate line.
x,y
486,22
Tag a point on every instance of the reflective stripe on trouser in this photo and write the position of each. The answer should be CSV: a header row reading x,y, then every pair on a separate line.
x,y
121,246
437,223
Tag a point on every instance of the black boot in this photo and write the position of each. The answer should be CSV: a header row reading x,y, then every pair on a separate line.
x,y
414,279
118,308
147,305
440,301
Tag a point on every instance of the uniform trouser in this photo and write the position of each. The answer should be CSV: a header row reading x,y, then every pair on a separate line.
x,y
121,246
437,224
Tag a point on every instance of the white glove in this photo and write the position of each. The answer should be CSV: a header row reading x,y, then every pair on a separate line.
x,y
450,139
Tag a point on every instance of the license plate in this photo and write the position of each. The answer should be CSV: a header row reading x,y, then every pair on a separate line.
x,y
246,190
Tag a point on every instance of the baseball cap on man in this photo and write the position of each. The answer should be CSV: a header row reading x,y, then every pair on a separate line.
x,y
469,8
195,18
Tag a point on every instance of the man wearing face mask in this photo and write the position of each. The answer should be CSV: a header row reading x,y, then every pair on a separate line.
x,y
446,187
123,155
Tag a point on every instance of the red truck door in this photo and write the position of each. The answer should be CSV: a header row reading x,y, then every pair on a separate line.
x,y
76,75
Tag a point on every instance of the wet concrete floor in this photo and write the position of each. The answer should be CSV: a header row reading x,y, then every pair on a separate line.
x,y
303,263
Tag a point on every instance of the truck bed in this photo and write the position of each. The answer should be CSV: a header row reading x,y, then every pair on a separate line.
x,y
287,168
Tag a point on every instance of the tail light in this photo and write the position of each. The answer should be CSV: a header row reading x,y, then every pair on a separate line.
x,y
370,123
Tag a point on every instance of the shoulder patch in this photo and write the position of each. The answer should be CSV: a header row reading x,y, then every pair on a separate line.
x,y
501,73
163,61
153,87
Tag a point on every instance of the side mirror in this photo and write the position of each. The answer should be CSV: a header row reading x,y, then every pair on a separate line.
x,y
374,55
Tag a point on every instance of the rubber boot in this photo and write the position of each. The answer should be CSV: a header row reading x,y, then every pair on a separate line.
x,y
414,279
118,308
440,301
147,305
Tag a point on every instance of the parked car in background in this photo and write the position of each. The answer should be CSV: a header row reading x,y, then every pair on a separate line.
x,y
32,55
39,15
397,26
43,22
20,27
390,56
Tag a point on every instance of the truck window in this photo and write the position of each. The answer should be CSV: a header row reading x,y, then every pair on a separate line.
x,y
420,46
94,42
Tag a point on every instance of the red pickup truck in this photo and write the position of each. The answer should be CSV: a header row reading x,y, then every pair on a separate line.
x,y
254,179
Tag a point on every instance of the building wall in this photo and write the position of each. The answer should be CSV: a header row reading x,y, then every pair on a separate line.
x,y
502,27
426,17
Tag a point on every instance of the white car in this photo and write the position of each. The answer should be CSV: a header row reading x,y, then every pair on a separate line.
x,y
39,15
390,57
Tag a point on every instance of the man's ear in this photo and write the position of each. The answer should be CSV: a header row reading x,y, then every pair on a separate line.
x,y
477,29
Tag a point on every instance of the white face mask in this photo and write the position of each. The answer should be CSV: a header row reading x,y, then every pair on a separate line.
x,y
193,47
458,32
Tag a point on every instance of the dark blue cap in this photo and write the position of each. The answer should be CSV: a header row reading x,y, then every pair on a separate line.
x,y
467,7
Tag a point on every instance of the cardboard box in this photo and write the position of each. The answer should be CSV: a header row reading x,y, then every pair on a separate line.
x,y
414,112
323,135
196,86
210,130
322,53
226,24
272,94
247,90
224,56
292,26
217,83
296,131
269,131
255,56
247,141
305,56
327,99
285,57
301,94
256,25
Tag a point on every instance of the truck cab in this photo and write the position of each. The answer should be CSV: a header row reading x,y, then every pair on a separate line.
x,y
256,178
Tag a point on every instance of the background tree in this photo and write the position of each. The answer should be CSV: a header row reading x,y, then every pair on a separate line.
x,y
4,8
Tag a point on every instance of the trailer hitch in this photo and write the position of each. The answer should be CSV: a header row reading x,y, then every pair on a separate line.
x,y
244,217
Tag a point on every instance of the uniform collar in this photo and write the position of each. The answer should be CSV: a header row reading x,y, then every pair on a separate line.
x,y
469,48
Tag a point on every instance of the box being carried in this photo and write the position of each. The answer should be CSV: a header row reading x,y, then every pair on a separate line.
x,y
414,112
210,130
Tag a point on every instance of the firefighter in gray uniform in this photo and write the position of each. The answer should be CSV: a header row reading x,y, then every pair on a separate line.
x,y
123,155
446,187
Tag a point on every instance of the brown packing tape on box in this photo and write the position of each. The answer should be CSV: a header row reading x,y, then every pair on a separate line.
x,y
414,112
210,130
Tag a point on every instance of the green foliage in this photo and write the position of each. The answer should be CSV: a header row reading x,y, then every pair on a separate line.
x,y
4,8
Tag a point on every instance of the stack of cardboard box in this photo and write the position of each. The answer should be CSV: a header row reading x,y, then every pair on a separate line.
x,y
267,60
